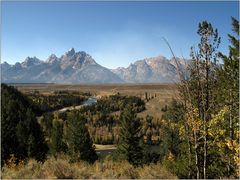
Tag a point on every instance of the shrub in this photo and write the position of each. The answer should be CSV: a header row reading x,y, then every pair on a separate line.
x,y
60,167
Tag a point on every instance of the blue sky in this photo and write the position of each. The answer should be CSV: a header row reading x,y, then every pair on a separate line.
x,y
113,33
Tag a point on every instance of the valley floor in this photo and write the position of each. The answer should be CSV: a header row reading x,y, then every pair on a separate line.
x,y
156,96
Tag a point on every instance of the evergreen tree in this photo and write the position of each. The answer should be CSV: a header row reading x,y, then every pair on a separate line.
x,y
174,112
37,148
228,94
57,144
228,81
130,137
173,117
21,134
80,146
46,123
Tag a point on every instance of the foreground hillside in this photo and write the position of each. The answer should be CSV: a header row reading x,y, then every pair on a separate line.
x,y
61,168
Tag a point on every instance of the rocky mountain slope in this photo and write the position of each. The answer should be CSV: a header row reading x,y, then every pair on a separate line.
x,y
80,67
151,70
72,67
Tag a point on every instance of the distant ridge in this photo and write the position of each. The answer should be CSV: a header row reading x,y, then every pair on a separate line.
x,y
152,70
80,68
72,67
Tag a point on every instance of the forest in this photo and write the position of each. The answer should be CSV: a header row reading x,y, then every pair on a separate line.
x,y
197,136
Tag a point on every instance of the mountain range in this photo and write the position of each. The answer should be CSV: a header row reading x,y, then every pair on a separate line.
x,y
80,67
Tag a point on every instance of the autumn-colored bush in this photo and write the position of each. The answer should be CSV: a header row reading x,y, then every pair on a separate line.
x,y
60,167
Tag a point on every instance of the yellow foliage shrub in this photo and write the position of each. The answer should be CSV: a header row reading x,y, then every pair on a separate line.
x,y
60,167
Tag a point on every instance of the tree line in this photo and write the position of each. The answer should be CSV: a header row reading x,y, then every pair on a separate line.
x,y
205,120
47,103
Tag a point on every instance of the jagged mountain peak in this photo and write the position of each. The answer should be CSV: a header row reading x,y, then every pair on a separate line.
x,y
30,61
160,57
156,59
72,67
5,63
52,59
70,52
52,56
76,60
140,62
155,69
80,67
5,66
34,58
84,59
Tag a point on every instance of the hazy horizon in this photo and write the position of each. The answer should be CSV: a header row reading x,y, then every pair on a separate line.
x,y
115,34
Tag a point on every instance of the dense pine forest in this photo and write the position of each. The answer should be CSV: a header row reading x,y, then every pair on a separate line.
x,y
196,137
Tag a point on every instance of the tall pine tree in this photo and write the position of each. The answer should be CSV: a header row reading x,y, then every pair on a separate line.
x,y
228,93
228,75
79,142
130,137
57,144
